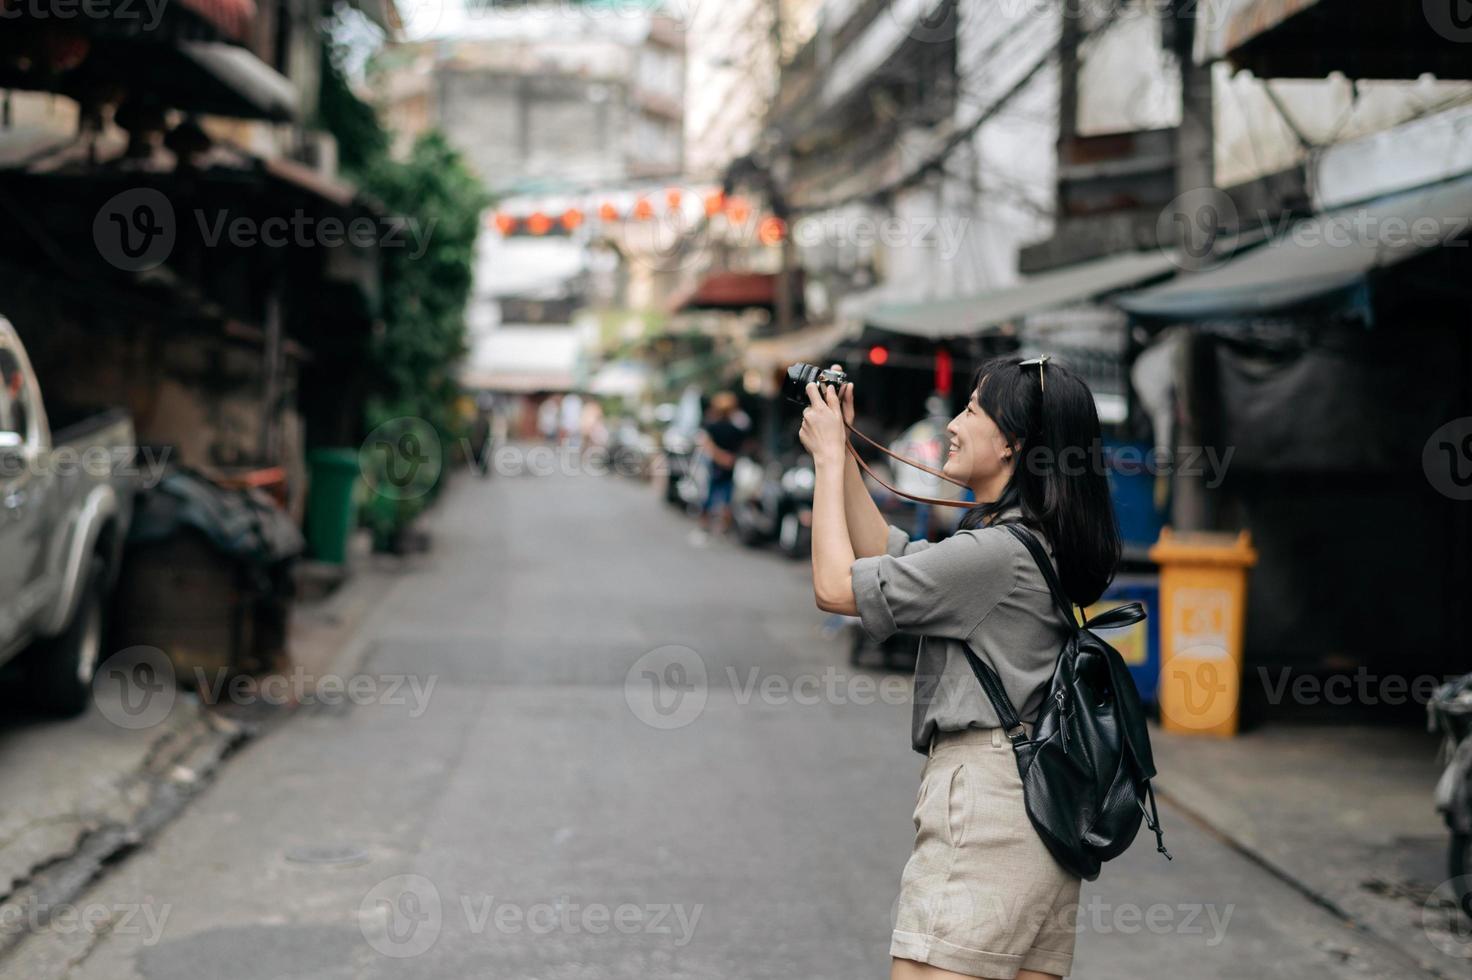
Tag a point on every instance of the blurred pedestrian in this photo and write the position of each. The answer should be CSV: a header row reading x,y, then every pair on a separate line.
x,y
720,440
548,414
572,419
591,427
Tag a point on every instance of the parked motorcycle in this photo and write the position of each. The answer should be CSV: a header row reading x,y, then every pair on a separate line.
x,y
1450,712
683,474
773,502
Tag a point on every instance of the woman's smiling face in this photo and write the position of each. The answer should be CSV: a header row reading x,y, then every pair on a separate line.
x,y
979,455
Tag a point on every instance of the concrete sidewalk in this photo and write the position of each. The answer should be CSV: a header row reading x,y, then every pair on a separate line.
x,y
1343,813
79,792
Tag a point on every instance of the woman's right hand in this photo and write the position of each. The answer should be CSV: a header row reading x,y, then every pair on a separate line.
x,y
846,398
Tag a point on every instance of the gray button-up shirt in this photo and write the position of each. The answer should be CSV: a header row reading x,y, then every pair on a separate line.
x,y
978,587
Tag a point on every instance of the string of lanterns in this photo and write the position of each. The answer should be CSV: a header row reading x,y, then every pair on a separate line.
x,y
737,210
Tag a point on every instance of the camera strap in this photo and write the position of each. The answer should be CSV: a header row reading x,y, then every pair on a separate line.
x,y
938,501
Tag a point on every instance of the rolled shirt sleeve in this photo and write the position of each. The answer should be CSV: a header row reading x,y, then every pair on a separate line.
x,y
899,543
943,589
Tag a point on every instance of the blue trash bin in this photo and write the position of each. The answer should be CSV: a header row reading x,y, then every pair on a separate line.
x,y
1139,644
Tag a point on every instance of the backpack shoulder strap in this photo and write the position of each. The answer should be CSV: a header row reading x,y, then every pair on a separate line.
x,y
1035,548
991,684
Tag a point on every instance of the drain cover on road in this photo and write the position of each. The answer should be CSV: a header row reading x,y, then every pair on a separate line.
x,y
327,854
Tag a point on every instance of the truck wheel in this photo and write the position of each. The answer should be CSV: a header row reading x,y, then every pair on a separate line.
x,y
62,667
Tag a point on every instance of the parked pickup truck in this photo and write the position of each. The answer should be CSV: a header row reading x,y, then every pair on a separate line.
x,y
65,502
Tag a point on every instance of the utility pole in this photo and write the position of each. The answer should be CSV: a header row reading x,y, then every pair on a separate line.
x,y
1195,170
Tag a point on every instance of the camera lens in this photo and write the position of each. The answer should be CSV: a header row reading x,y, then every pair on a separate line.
x,y
801,374
798,377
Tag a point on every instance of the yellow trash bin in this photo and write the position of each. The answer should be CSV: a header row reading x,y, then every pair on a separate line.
x,y
1203,605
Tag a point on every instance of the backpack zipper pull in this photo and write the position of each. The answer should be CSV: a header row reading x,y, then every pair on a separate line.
x,y
1062,699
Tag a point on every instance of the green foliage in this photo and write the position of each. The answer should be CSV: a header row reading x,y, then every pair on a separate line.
x,y
360,137
424,295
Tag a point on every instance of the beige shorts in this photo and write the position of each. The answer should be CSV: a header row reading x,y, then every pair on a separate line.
x,y
981,894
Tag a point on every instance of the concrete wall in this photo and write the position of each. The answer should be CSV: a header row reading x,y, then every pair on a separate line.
x,y
731,72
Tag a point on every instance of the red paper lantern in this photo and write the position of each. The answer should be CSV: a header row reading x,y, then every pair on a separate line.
x,y
738,211
943,371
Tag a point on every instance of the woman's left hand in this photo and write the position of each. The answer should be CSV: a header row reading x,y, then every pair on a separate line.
x,y
823,434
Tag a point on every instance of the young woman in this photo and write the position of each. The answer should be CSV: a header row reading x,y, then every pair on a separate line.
x,y
981,896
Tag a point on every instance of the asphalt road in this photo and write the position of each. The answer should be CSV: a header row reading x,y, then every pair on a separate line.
x,y
531,780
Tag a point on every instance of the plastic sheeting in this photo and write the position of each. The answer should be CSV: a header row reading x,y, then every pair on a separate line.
x,y
1360,402
237,523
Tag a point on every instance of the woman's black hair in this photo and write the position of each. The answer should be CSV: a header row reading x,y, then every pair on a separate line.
x,y
1059,480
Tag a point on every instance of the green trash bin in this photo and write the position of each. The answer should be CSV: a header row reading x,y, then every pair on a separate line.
x,y
331,513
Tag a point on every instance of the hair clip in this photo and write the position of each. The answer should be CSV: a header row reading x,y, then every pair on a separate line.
x,y
1040,361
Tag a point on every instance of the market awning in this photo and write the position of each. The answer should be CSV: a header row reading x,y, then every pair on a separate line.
x,y
1320,260
1311,38
970,315
230,81
207,77
733,291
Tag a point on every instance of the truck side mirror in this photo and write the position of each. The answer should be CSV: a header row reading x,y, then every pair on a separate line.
x,y
12,455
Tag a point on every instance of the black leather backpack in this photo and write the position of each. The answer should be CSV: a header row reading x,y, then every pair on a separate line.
x,y
1087,767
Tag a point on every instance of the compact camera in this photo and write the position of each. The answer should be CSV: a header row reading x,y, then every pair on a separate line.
x,y
800,375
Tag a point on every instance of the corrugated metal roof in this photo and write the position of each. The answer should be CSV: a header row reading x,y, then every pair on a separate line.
x,y
1316,258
